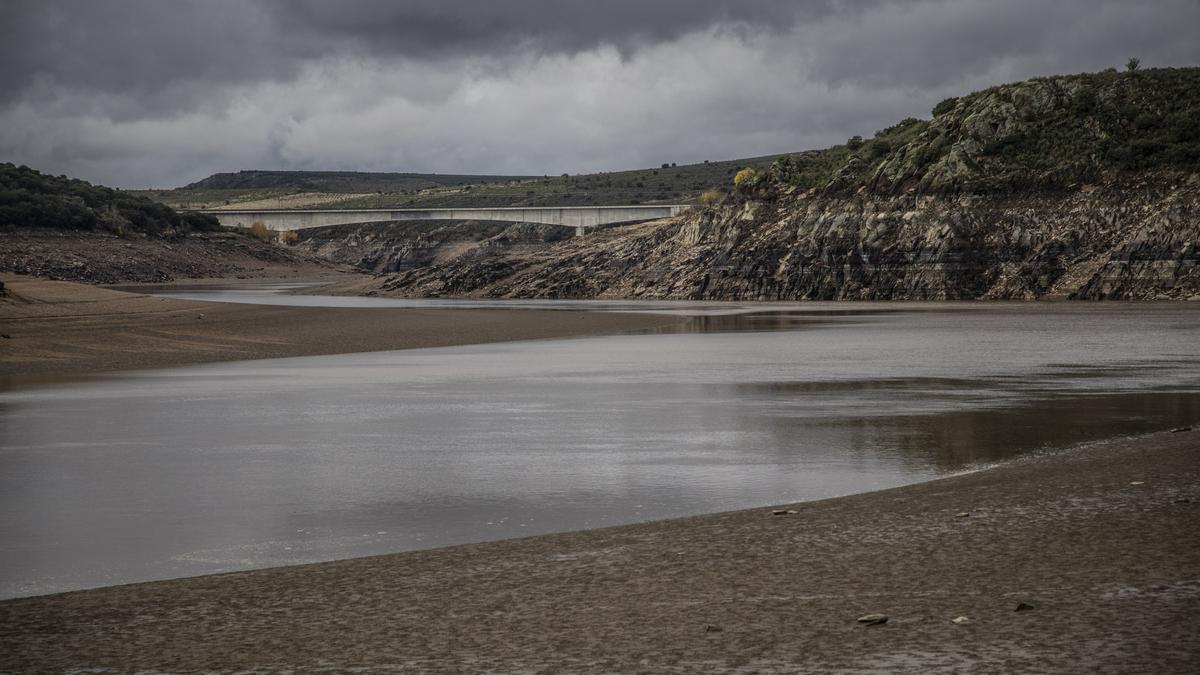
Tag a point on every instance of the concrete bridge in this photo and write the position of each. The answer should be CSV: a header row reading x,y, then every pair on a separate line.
x,y
582,218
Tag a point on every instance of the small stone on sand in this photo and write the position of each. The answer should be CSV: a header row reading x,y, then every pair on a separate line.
x,y
960,620
1023,607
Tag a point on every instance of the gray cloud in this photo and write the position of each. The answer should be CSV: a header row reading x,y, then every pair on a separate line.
x,y
143,92
932,43
146,46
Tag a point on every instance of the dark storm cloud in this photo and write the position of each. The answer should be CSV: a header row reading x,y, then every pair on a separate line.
x,y
144,49
428,28
136,92
146,46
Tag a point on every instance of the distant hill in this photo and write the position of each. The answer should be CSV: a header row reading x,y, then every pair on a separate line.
x,y
30,199
337,181
665,184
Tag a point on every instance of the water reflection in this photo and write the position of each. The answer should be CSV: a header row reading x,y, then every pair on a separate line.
x,y
238,465
293,294
1000,428
744,322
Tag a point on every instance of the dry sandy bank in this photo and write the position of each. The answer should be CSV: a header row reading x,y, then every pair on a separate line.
x,y
1101,542
56,329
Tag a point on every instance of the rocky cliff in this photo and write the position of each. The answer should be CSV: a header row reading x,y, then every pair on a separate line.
x,y
1082,187
403,245
1104,241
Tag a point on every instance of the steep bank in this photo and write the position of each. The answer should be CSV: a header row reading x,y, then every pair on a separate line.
x,y
106,258
1080,187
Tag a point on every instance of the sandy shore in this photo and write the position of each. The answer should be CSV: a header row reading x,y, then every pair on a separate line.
x,y
58,330
1101,542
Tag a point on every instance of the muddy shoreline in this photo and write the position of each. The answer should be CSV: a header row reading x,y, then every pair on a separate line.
x,y
1098,543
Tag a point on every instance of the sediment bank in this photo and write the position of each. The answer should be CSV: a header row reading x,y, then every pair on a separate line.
x,y
59,330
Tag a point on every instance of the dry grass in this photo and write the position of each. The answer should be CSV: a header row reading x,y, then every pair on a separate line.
x,y
292,201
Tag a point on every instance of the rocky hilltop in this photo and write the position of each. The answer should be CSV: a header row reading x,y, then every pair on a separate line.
x,y
63,228
1079,187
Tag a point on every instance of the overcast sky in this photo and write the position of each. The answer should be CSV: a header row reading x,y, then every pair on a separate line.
x,y
158,93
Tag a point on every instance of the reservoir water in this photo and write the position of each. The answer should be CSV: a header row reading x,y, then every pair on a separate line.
x,y
168,473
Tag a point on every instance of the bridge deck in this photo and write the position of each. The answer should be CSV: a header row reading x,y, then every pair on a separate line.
x,y
579,217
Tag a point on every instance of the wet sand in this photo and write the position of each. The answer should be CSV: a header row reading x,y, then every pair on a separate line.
x,y
55,330
1100,542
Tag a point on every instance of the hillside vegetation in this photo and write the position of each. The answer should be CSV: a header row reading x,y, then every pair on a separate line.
x,y
1041,134
31,199
662,185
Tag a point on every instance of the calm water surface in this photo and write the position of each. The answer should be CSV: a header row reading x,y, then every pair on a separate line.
x,y
231,466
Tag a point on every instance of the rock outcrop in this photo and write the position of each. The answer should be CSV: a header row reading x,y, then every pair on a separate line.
x,y
1076,187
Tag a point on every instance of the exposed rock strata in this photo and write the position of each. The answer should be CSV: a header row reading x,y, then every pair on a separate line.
x,y
1123,240
392,246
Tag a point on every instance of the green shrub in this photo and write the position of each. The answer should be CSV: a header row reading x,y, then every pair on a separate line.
x,y
31,199
1084,100
944,106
